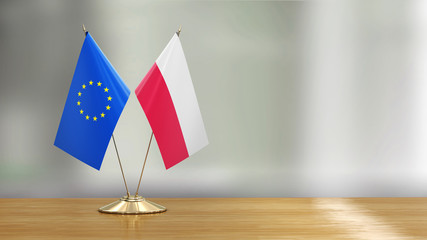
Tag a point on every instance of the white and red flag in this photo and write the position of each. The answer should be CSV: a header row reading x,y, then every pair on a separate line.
x,y
167,97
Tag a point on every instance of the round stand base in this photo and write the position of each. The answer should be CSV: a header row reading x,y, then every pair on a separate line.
x,y
132,205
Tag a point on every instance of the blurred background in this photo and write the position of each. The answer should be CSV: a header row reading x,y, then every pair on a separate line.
x,y
299,98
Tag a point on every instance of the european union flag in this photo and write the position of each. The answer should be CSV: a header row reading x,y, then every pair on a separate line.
x,y
95,101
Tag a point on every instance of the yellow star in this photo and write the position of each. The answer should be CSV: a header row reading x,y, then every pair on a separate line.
x,y
99,84
87,117
94,119
81,111
102,115
79,94
106,89
108,107
83,86
90,82
78,103
109,98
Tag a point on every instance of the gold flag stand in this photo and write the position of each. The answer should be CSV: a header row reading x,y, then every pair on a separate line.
x,y
132,204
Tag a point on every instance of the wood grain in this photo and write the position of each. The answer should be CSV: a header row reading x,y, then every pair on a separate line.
x,y
219,218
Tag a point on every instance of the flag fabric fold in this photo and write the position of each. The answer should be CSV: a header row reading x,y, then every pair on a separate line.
x,y
169,101
94,104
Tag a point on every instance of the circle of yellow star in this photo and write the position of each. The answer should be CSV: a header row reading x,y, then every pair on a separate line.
x,y
82,110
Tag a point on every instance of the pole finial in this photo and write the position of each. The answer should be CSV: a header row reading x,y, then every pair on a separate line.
x,y
84,29
179,31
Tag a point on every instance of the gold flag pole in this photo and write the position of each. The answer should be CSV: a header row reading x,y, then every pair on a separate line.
x,y
121,168
149,144
84,29
179,31
134,204
143,166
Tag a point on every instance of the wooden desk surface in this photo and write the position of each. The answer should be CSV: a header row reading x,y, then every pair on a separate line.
x,y
219,218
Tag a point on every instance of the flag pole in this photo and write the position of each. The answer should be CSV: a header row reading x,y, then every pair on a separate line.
x,y
115,146
84,29
121,168
143,166
149,144
179,31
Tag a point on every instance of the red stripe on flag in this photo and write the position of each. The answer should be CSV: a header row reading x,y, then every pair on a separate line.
x,y
155,99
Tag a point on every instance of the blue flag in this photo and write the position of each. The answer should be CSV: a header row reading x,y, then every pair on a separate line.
x,y
95,101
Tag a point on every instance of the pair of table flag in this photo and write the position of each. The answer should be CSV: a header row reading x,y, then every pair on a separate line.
x,y
98,95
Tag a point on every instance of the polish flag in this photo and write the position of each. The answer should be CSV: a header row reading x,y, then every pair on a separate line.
x,y
167,97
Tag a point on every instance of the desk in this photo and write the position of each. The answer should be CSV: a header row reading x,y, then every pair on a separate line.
x,y
219,218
